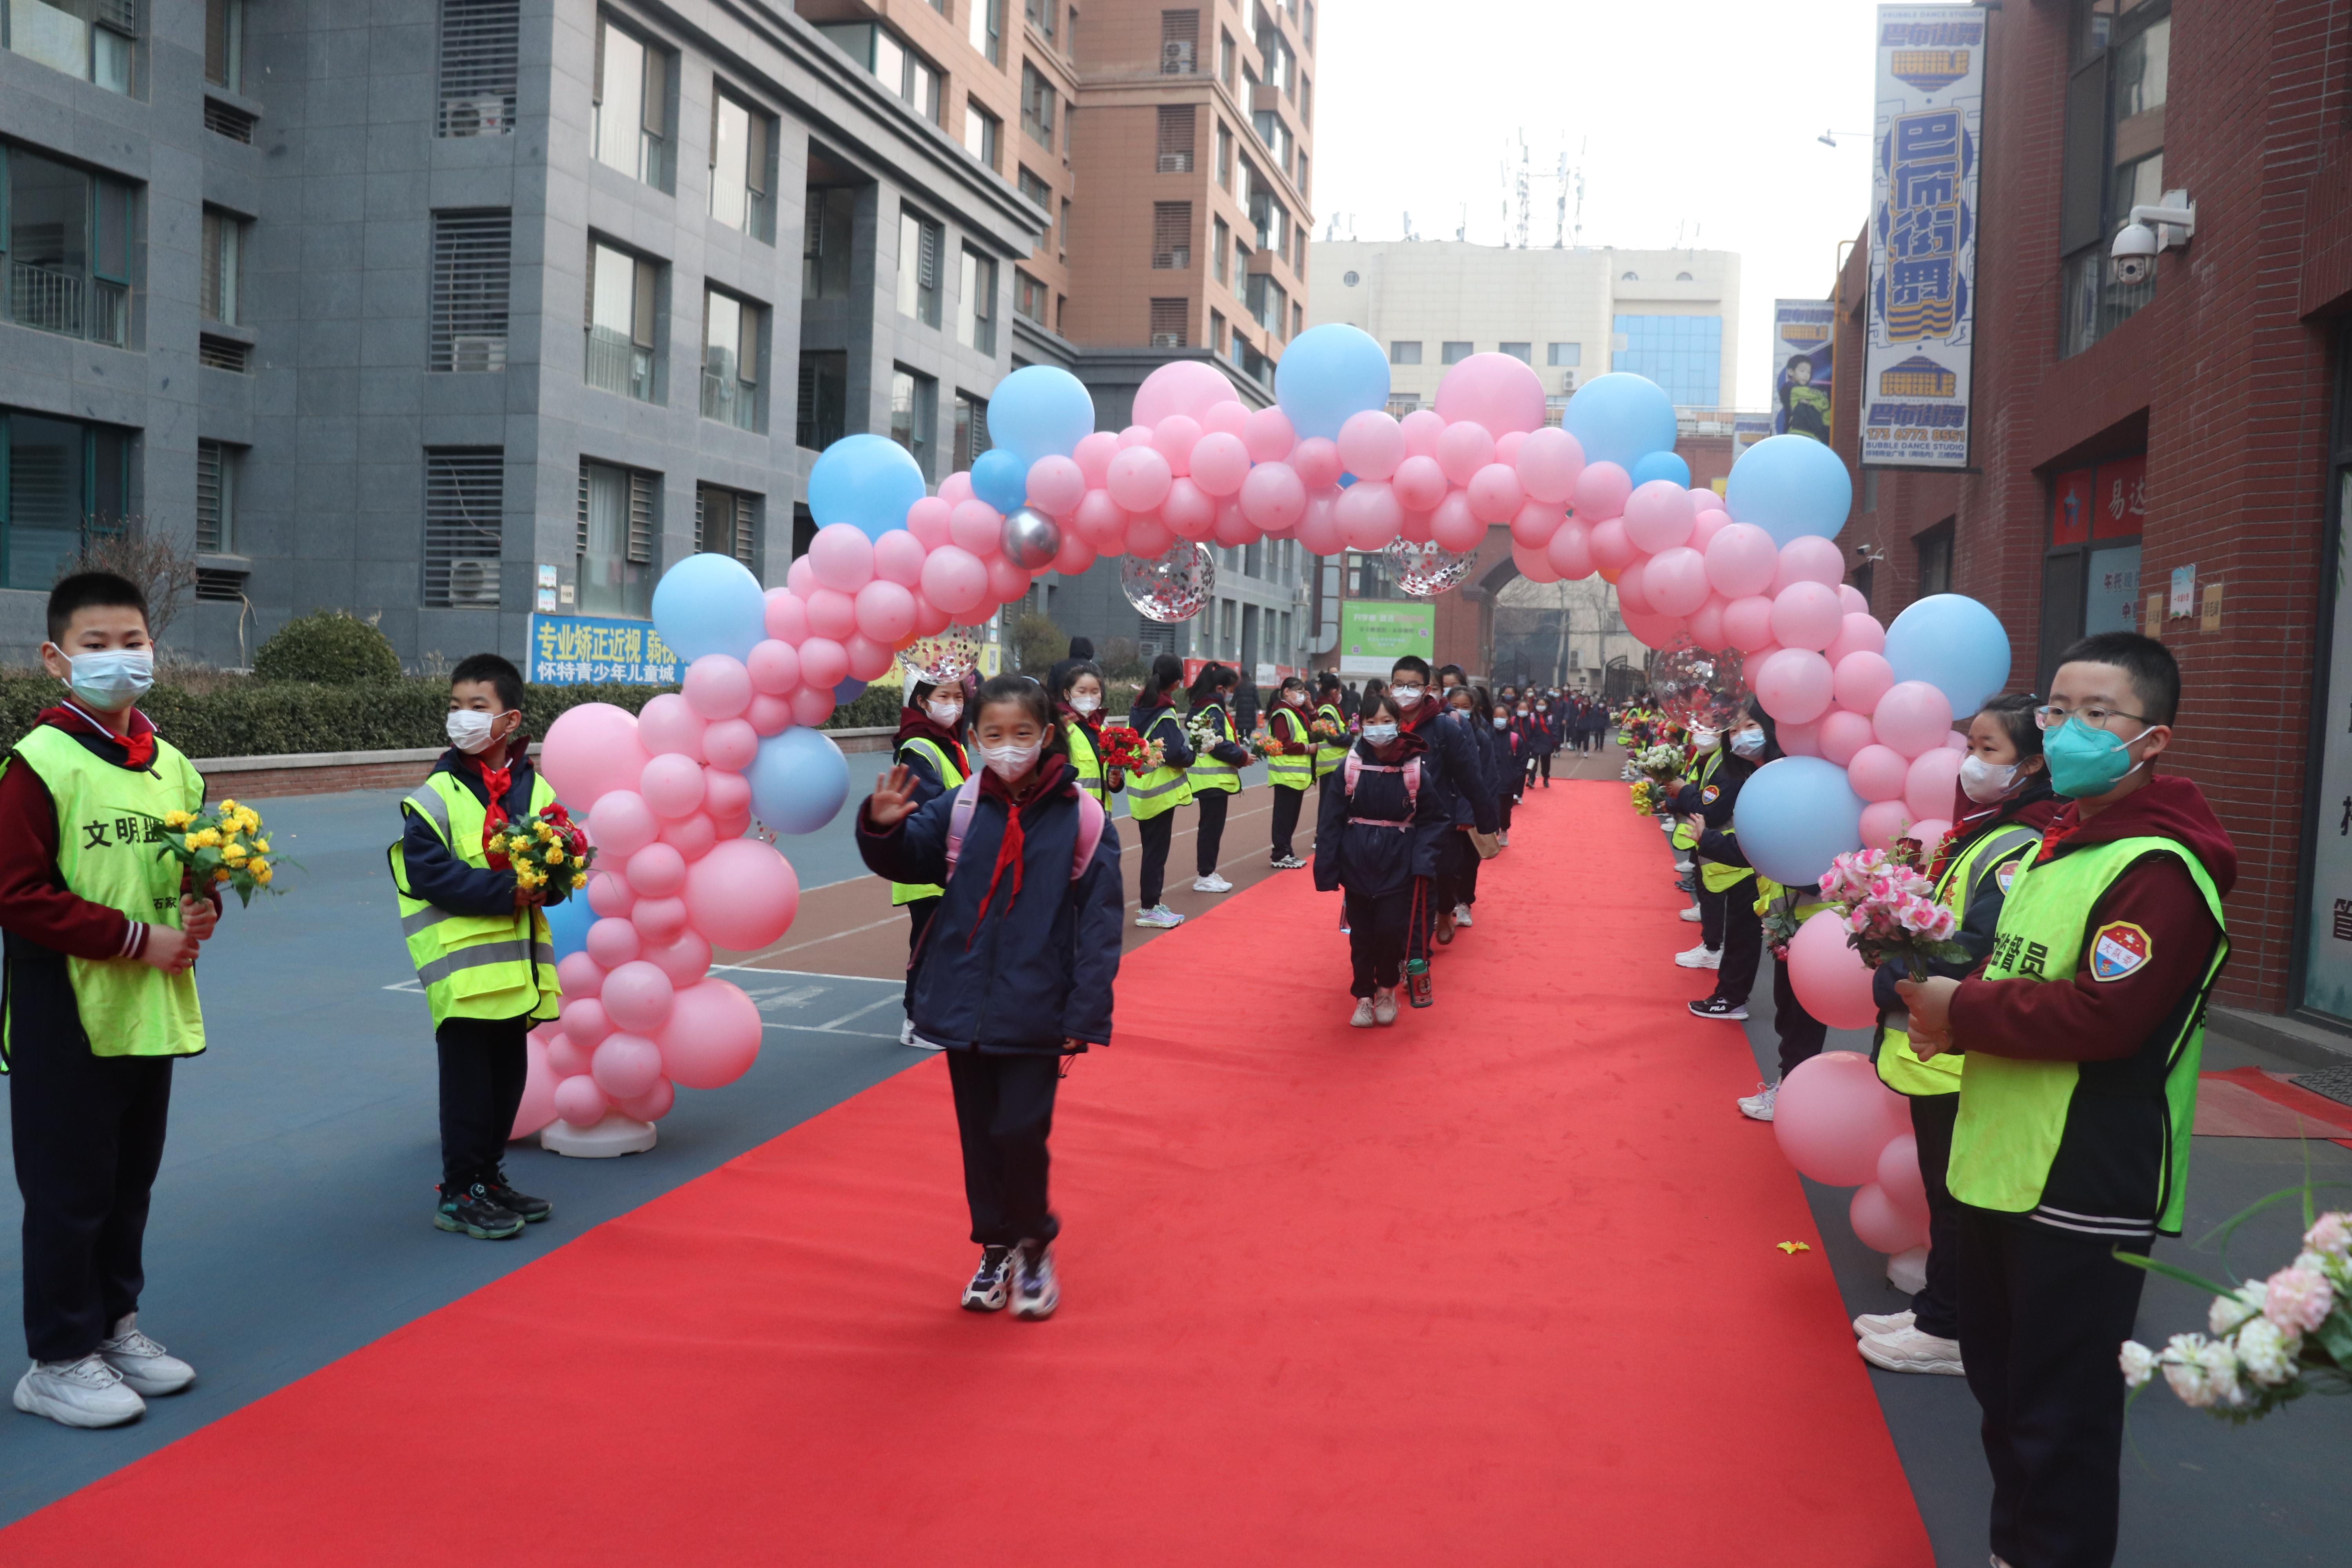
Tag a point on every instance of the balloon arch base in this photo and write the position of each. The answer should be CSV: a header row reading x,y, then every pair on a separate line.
x,y
615,1135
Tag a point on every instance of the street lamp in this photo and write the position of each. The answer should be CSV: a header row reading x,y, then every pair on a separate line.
x,y
1828,138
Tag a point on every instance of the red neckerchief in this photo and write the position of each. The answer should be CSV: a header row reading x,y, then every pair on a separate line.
x,y
138,745
1054,777
496,782
914,724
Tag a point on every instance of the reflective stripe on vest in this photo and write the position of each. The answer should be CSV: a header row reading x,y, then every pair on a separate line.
x,y
1328,751
474,966
106,853
1159,789
2013,1113
1899,1066
951,777
1295,769
1206,771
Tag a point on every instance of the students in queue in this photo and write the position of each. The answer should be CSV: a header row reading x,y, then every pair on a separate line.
x,y
930,746
1216,769
1455,770
1291,772
1376,840
1153,796
1707,808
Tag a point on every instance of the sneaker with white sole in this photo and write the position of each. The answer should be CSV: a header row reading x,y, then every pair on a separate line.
x,y
1461,915
1701,957
1504,838
1212,883
1758,1107
1883,1322
1384,1008
1361,1018
1908,1349
85,1393
991,1282
1289,863
1036,1290
907,1036
1159,917
1684,867
142,1363
1717,1007
1693,915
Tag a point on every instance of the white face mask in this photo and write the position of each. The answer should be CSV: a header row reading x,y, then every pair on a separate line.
x,y
111,679
1406,696
944,714
1985,782
1379,734
1009,762
1749,743
469,732
1082,702
1502,724
1705,739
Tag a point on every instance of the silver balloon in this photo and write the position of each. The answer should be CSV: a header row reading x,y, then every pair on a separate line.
x,y
1032,539
1170,587
947,658
1426,570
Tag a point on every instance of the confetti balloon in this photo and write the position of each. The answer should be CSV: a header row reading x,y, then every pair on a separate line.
x,y
1425,571
947,658
1032,539
1172,587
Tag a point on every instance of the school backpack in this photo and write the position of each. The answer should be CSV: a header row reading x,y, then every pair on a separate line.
x,y
1091,818
1355,765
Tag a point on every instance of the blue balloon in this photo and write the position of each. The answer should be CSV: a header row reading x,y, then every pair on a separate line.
x,y
710,604
1000,478
1039,411
849,690
1789,486
568,923
866,481
1621,418
798,780
1795,815
1955,644
1661,466
1329,375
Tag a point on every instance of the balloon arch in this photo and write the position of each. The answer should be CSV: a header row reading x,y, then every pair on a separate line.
x,y
897,574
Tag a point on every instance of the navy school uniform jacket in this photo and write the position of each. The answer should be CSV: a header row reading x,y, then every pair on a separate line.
x,y
1372,861
1036,969
1457,767
1716,841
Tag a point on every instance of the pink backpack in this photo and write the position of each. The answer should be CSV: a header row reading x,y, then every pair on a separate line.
x,y
1355,765
1091,818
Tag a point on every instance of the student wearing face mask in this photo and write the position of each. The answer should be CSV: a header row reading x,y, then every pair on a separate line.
x,y
930,746
1216,773
1152,797
1330,749
101,997
1377,838
1013,976
1455,769
1723,870
1505,739
1678,804
1292,773
2083,1032
459,906
1076,685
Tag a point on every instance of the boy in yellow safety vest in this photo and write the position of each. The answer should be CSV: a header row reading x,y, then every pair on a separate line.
x,y
101,935
2082,1035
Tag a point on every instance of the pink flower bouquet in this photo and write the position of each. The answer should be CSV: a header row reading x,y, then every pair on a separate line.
x,y
1890,910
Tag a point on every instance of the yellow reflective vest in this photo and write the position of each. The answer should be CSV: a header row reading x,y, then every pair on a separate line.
x,y
1331,752
1206,771
1295,769
952,778
475,966
1162,788
1899,1066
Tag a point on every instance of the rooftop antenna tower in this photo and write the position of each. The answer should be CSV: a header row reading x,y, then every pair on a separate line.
x,y
1408,228
1524,172
1559,231
1461,229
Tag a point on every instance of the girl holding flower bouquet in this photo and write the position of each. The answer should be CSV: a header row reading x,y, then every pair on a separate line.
x,y
1159,790
1215,776
1076,685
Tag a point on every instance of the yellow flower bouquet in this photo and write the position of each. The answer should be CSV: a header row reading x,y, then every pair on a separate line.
x,y
226,847
547,852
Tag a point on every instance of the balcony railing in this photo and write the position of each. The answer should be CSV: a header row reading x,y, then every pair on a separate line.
x,y
730,401
617,364
67,303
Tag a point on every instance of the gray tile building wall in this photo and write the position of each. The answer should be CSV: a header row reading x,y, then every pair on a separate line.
x,y
339,184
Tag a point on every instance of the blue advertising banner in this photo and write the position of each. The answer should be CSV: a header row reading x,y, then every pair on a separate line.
x,y
1928,147
586,650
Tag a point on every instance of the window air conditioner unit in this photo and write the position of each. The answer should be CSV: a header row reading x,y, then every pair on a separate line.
x,y
1176,58
470,352
475,116
1167,340
474,583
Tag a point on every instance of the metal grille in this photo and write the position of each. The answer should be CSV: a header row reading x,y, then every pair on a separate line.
x,y
212,480
478,47
1176,133
123,15
724,521
1179,43
221,354
472,256
641,518
1171,235
1167,323
217,587
222,120
465,503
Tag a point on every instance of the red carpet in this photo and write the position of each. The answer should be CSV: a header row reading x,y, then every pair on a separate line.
x,y
1497,1286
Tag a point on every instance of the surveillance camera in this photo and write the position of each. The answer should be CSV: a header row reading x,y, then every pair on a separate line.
x,y
2134,254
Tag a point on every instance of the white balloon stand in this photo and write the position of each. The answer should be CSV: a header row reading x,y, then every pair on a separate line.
x,y
1906,1271
615,1134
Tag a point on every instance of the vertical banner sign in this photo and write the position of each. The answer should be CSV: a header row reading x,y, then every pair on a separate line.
x,y
1805,349
1923,222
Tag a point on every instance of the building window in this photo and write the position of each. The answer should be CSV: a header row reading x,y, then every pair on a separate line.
x,y
631,120
1682,354
919,243
1028,297
988,29
726,522
1564,353
1219,237
1216,332
1297,318
1040,15
1555,409
1302,173
1305,118
915,414
1179,43
1270,304
1224,157
225,42
67,247
2113,158
1171,235
981,132
465,522
216,498
67,481
1064,230
741,178
1267,215
971,430
1177,122
1225,58
95,40
1870,489
1454,352
1038,191
619,521
1523,352
220,266
622,313
976,308
1935,559
1403,353
899,68
823,398
472,267
829,213
731,360
1037,101
1169,319
480,41
1241,257
1306,27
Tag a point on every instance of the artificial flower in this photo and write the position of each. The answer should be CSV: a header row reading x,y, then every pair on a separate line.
x,y
2138,1363
2267,1355
2298,1300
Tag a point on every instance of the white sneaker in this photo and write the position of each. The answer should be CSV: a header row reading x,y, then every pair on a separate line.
x,y
142,1363
1883,1322
1461,915
1289,863
1693,915
1504,838
1361,1018
1701,957
1758,1107
1908,1349
1684,867
85,1393
1159,917
907,1032
1212,883
1036,1290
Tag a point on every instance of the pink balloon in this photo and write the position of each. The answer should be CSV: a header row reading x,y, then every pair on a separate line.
x,y
1675,580
1844,1117
1658,516
1843,735
692,836
1912,717
956,489
1570,551
1272,496
718,687
831,615
1232,528
1188,512
672,786
1931,781
1369,515
713,1035
1100,522
1093,455
591,751
625,1065
898,558
1612,550
1535,521
1794,685
1230,419
1829,978
1006,583
652,1105
1416,527
1799,740
954,579
813,705
869,659
1506,447
1455,524
772,715
1900,1178
1862,679
1806,615
787,614
842,557
1220,464
1704,500
927,520
1657,631
1138,479
1602,491
885,611
732,744
1174,439
620,822
1055,484
1705,526
636,996
1877,773
1810,558
1883,822
660,919
1420,484
1371,445
800,577
1633,590
975,527
1497,391
609,894
1855,601
669,726
774,668
1134,436
1268,434
1748,623
1741,559
537,1107
1422,428
1955,742
1707,623
1550,461
1534,563
580,974
580,1102
585,1023
1856,634
1317,462
1928,832
1075,556
1495,493
1147,535
1188,386
824,663
685,960
742,895
1318,526
656,871
1463,449
1879,1224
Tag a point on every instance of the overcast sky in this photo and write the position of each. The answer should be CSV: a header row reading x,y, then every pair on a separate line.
x,y
1694,122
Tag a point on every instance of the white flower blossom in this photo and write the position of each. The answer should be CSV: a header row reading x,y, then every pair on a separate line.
x,y
2184,1370
2267,1355
2227,1312
2331,1237
2138,1363
2220,1360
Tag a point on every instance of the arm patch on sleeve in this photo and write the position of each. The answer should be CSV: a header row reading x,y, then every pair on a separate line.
x,y
2119,948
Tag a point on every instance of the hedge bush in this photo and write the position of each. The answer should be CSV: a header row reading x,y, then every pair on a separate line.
x,y
333,647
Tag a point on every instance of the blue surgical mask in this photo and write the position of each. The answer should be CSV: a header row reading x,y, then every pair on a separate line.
x,y
111,679
2085,762
1381,735
1749,743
